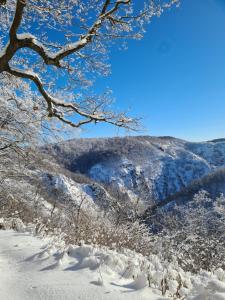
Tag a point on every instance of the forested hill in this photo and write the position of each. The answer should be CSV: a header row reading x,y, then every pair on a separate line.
x,y
149,168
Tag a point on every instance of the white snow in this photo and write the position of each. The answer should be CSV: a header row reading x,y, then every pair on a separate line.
x,y
75,191
30,270
37,268
23,36
71,46
68,47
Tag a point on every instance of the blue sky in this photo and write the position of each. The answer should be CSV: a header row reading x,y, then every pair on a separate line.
x,y
175,77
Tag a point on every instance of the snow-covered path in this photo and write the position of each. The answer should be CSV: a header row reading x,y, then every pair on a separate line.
x,y
26,273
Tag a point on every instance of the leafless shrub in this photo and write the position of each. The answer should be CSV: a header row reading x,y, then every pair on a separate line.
x,y
193,233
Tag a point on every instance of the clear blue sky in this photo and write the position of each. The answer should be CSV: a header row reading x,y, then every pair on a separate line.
x,y
175,77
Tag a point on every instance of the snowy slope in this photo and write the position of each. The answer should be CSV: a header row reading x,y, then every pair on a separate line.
x,y
28,272
33,269
64,189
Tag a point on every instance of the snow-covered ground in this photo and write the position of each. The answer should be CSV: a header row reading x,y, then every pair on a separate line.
x,y
36,268
29,270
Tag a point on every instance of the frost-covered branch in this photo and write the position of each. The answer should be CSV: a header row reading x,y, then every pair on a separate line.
x,y
119,120
70,40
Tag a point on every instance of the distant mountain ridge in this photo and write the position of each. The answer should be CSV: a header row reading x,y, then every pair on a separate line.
x,y
142,167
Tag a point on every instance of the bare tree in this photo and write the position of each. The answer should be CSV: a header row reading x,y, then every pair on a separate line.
x,y
60,46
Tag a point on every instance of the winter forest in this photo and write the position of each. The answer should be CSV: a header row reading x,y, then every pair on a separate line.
x,y
130,216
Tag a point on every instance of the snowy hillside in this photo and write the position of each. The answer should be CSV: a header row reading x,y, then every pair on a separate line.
x,y
34,268
150,168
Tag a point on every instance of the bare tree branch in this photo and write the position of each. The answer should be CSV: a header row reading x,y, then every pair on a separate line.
x,y
113,20
20,5
118,120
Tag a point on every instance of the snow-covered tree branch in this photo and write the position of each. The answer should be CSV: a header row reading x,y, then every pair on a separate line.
x,y
67,43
